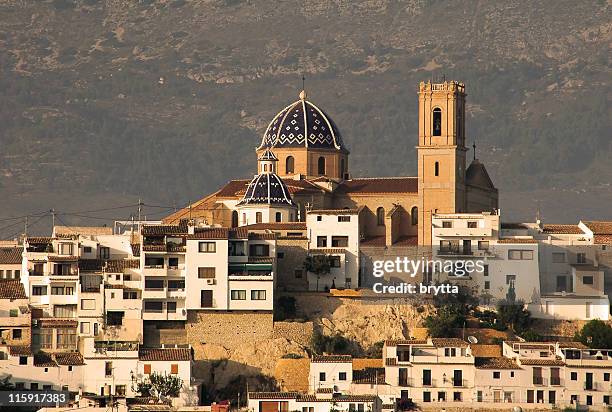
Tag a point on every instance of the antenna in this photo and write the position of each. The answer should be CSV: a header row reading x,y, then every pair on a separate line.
x,y
474,146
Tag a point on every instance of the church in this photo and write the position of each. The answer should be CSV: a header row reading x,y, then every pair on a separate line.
x,y
303,165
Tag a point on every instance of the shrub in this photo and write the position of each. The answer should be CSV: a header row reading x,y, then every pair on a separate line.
x,y
595,334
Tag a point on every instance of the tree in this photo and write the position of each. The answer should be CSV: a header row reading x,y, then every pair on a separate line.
x,y
318,264
444,321
514,315
595,334
160,386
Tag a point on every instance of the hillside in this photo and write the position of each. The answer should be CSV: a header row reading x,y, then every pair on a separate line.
x,y
103,102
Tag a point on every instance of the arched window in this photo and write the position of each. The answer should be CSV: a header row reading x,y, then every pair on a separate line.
x,y
244,219
342,170
258,217
414,216
380,216
234,219
437,122
437,169
289,165
321,165
265,167
279,217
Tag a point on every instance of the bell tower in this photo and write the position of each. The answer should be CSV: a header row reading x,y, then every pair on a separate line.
x,y
441,152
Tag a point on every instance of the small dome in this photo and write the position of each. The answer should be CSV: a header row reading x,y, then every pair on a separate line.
x,y
267,188
302,124
268,155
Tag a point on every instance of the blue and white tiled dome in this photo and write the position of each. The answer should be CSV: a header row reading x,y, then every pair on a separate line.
x,y
302,124
267,188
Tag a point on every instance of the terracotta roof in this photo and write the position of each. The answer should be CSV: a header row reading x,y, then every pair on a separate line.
x,y
20,351
496,363
10,255
12,289
210,233
112,266
135,249
366,363
396,342
325,251
339,398
379,185
262,236
486,351
369,375
599,227
83,230
327,390
55,258
332,359
171,354
562,229
542,362
39,240
69,358
277,226
449,342
43,359
602,239
273,395
334,212
391,362
516,240
161,230
572,345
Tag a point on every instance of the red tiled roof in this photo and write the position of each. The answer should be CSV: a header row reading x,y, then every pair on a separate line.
x,y
11,289
111,266
210,233
69,358
277,226
496,363
369,375
332,359
599,227
20,351
449,342
38,240
43,359
391,362
375,241
572,345
161,230
602,239
406,241
326,251
170,354
542,362
57,323
54,258
396,342
379,185
273,395
562,229
10,255
516,240
380,241
334,212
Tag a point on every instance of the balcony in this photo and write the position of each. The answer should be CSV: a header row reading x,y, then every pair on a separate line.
x,y
154,293
555,381
458,252
179,293
460,383
428,382
539,381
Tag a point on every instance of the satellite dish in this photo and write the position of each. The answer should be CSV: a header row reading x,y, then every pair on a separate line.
x,y
472,339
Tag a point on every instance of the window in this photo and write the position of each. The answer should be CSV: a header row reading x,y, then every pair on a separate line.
x,y
437,122
34,386
279,217
574,376
265,167
289,165
298,273
19,385
66,338
339,241
174,369
487,285
147,369
319,218
587,280
457,396
414,216
153,307
17,274
86,249
426,396
447,224
47,387
280,255
514,254
120,390
483,245
244,218
322,376
88,304
472,225
259,250
64,311
510,280
130,294
344,218
207,247
104,252
57,290
13,313
380,216
234,219
85,327
39,290
23,360
558,257
238,294
65,249
258,295
154,262
342,376
173,263
114,318
321,165
108,369
496,375
581,257
206,273
606,377
258,217
437,169
334,261
321,241
171,307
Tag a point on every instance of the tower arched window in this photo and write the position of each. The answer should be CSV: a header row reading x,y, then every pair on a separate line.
x,y
234,219
437,122
437,169
321,166
380,216
265,167
258,217
289,165
414,216
279,217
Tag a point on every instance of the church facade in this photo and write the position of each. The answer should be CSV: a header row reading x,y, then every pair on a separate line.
x,y
307,168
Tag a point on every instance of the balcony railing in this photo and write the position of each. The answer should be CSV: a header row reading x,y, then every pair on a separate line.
x,y
538,380
460,383
555,381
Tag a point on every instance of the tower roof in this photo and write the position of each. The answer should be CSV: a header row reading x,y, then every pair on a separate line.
x,y
267,188
267,155
302,124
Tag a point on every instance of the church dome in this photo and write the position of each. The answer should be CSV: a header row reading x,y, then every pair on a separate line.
x,y
267,188
302,124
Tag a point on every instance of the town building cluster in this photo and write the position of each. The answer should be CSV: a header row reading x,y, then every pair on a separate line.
x,y
75,307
